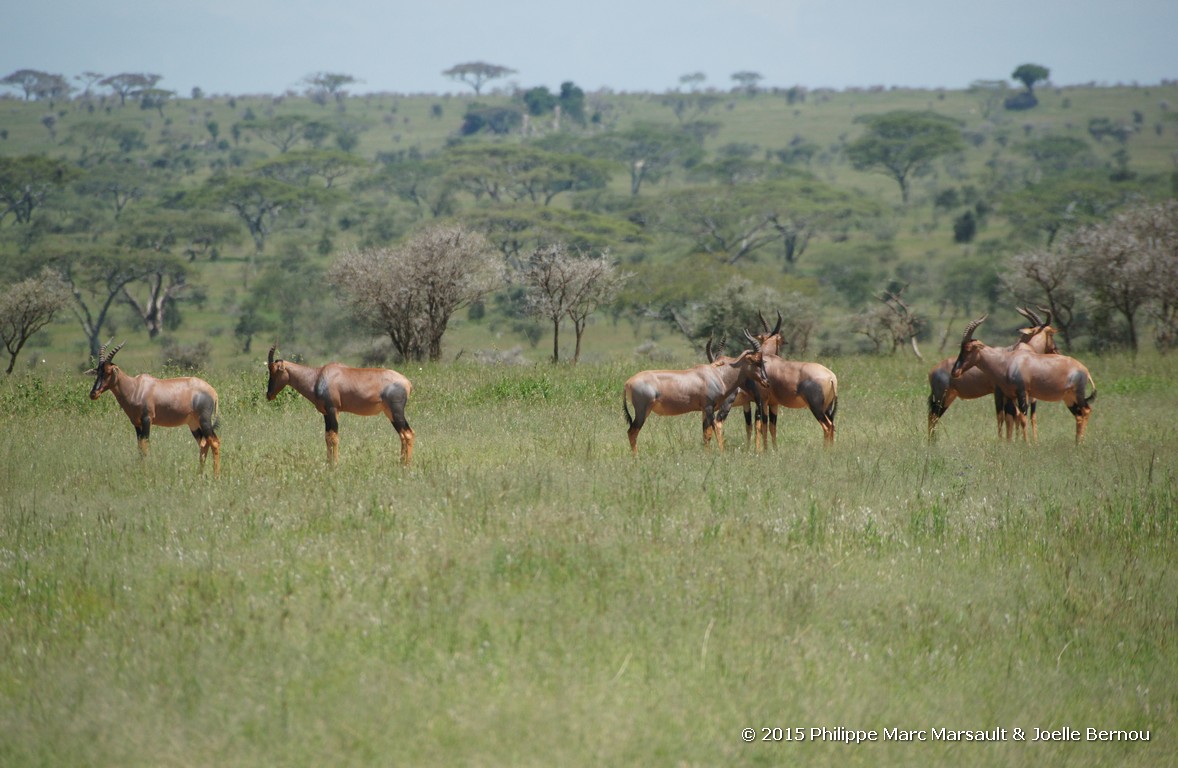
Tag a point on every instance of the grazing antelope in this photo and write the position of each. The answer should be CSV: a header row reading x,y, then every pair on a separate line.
x,y
149,401
975,383
1022,374
336,388
701,388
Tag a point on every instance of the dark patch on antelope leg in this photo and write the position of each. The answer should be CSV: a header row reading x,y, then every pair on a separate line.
x,y
143,433
331,429
396,398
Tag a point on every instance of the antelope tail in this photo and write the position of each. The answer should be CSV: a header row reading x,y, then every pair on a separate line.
x,y
834,407
1092,393
626,410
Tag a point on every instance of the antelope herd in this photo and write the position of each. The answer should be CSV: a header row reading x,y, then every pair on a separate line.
x,y
758,379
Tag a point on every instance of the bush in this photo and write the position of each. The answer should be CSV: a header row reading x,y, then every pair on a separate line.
x,y
1020,101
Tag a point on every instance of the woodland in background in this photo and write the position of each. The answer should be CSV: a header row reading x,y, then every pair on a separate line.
x,y
874,220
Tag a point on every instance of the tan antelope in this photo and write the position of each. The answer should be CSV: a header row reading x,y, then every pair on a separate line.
x,y
975,382
790,384
148,401
1022,374
770,342
700,388
336,388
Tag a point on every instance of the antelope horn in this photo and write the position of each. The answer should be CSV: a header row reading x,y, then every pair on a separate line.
x,y
270,357
1047,314
111,356
102,350
764,323
752,338
969,329
708,350
777,328
1027,313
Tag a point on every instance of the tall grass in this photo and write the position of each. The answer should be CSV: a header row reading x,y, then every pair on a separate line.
x,y
529,594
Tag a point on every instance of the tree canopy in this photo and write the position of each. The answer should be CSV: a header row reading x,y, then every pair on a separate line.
x,y
477,73
904,143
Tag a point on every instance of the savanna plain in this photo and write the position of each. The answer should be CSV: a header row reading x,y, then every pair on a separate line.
x,y
528,593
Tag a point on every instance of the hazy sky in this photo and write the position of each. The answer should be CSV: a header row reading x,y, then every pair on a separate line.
x,y
269,46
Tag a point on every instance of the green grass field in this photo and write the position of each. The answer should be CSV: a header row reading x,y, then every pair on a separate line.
x,y
527,593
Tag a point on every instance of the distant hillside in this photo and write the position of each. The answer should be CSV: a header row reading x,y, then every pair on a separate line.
x,y
689,191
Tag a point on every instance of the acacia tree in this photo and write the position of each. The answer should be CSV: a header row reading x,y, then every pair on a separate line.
x,y
1029,74
411,291
476,73
903,143
97,276
1157,228
284,132
260,201
1114,265
1124,263
649,150
27,307
37,84
26,182
130,84
560,284
325,85
25,79
747,80
1049,274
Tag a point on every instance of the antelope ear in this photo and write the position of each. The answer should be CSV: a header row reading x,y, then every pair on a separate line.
x,y
91,372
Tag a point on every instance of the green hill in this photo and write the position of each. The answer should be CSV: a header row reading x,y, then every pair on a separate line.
x,y
946,249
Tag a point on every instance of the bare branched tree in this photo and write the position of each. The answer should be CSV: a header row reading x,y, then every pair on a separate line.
x,y
27,307
411,291
563,285
1116,266
1048,276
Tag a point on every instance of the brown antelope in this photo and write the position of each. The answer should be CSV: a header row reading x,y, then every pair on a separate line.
x,y
975,382
701,388
789,384
796,384
149,402
1022,374
770,343
336,388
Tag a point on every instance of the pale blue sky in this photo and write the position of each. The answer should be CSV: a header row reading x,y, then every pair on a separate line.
x,y
269,46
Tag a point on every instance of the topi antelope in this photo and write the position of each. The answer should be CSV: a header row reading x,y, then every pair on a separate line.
x,y
789,384
149,401
975,382
796,384
769,342
336,388
701,388
1022,374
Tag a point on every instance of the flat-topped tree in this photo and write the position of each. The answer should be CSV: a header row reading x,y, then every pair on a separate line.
x,y
1029,74
476,73
130,84
324,85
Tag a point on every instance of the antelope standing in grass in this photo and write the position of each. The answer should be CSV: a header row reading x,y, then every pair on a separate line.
x,y
1022,374
336,388
701,388
975,382
148,401
789,384
769,342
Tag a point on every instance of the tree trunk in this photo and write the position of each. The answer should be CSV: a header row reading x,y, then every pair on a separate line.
x,y
579,329
556,340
